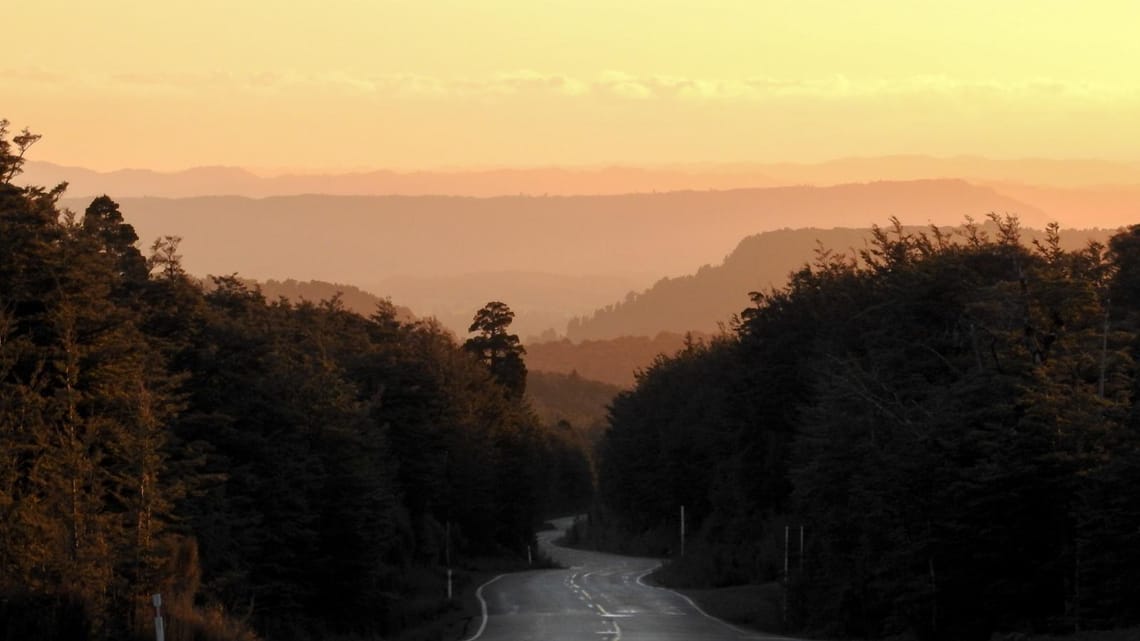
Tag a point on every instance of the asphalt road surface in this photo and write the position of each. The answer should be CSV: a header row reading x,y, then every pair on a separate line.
x,y
601,597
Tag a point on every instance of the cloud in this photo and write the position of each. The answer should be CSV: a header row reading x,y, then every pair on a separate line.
x,y
624,85
32,75
609,84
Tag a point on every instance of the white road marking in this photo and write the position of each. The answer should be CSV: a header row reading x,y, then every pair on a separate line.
x,y
616,632
740,631
483,607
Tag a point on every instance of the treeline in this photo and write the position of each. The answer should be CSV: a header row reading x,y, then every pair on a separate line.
x,y
953,420
353,298
709,297
272,469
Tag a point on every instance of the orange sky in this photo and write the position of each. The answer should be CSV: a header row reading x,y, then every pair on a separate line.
x,y
337,84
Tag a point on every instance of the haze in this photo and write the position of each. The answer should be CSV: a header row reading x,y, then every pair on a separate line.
x,y
564,156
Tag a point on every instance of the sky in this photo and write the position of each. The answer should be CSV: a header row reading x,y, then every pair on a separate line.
x,y
333,85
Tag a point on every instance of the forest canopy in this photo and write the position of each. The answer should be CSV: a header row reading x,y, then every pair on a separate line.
x,y
952,419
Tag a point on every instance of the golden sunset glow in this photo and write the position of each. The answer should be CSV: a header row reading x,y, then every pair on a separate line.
x,y
409,84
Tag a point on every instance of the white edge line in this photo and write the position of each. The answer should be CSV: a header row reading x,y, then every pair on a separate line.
x,y
740,631
483,607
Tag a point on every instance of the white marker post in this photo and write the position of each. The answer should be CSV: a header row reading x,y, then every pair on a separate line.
x,y
529,558
786,529
784,606
682,530
159,631
447,554
801,550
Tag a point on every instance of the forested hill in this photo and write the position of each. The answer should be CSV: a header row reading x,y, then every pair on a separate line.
x,y
572,399
614,361
710,297
954,423
352,297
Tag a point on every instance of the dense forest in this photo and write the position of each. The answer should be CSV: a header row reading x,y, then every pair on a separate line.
x,y
953,419
273,469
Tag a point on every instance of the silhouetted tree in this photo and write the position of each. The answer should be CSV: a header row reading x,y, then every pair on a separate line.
x,y
498,349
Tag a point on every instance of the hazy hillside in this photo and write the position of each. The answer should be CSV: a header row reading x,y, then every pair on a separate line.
x,y
541,301
353,298
612,361
570,397
715,293
1107,205
366,239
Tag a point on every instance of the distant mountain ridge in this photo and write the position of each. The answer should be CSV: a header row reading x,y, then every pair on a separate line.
x,y
714,294
234,181
342,238
618,179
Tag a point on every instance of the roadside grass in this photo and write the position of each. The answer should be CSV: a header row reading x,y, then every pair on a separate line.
x,y
752,606
758,607
437,619
1123,634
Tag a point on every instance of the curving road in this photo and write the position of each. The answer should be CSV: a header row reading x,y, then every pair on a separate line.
x,y
601,597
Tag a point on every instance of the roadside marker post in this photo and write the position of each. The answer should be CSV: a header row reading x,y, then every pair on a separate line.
x,y
682,530
787,567
447,553
801,549
784,608
159,630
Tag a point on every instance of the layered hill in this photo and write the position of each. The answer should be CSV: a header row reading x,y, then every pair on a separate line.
x,y
620,239
614,361
365,238
571,398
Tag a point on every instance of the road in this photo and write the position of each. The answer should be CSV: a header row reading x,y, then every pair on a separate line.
x,y
601,597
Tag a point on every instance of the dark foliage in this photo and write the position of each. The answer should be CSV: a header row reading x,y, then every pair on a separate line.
x,y
277,469
950,418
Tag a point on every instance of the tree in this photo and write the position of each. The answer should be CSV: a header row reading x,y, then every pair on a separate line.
x,y
501,352
12,162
